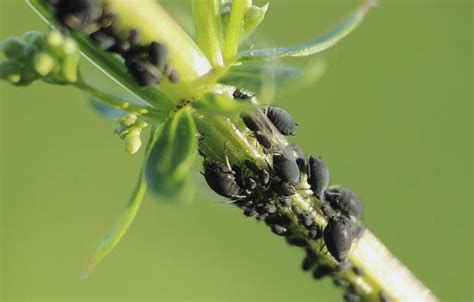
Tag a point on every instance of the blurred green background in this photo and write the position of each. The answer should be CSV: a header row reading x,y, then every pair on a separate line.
x,y
392,118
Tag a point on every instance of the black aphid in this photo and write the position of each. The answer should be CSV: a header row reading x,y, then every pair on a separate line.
x,y
282,120
122,47
350,296
300,242
241,95
263,216
306,219
286,169
158,54
263,139
283,189
103,40
345,201
278,220
342,283
250,212
322,271
143,72
173,75
77,14
251,122
270,208
297,210
338,237
262,174
221,179
314,233
250,184
318,176
308,263
285,202
278,229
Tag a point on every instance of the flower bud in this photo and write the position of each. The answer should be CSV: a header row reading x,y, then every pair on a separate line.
x,y
14,48
43,64
10,71
133,142
34,39
128,120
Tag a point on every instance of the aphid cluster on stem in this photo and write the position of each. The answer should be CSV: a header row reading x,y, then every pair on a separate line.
x,y
266,192
147,64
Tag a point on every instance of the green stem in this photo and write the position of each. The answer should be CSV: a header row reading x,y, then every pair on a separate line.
x,y
234,29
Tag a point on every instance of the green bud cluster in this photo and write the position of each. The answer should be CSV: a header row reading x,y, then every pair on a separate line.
x,y
129,129
51,57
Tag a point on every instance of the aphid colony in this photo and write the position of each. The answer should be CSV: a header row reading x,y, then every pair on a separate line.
x,y
266,193
147,64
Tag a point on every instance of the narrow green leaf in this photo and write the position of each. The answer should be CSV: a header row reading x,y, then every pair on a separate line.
x,y
234,29
314,46
172,154
122,225
269,80
215,104
208,27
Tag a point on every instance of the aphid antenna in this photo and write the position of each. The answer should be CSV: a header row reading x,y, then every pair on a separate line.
x,y
227,162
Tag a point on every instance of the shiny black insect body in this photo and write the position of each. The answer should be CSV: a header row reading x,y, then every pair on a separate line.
x,y
286,168
318,176
345,201
77,14
172,74
308,263
221,179
314,233
103,40
278,229
306,219
322,271
262,174
282,120
338,237
158,54
264,141
143,72
241,95
283,189
250,122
